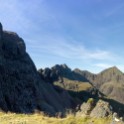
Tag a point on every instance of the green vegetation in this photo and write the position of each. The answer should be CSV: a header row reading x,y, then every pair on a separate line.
x,y
90,101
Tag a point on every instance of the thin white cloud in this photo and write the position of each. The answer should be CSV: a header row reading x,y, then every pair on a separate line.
x,y
22,16
13,18
71,50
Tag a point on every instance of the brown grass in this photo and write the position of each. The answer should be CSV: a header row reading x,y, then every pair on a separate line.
x,y
12,118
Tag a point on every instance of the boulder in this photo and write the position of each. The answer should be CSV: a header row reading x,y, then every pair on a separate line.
x,y
101,110
86,107
94,108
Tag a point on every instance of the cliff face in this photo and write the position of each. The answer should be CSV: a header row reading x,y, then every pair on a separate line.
x,y
21,87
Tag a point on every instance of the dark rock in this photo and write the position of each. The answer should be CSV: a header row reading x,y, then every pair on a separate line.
x,y
21,87
17,75
59,72
13,45
48,75
1,31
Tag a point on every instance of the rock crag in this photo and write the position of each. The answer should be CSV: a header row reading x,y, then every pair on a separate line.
x,y
21,87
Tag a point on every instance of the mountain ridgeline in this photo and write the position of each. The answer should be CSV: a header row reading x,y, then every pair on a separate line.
x,y
21,88
54,90
107,85
110,82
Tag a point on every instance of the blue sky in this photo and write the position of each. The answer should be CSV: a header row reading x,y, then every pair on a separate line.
x,y
85,34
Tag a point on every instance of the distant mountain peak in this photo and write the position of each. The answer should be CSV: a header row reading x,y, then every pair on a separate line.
x,y
61,67
113,69
64,66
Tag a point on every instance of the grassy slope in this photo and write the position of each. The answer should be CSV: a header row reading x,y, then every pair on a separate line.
x,y
12,118
73,85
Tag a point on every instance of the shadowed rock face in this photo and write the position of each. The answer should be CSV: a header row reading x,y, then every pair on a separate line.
x,y
21,87
16,86
59,72
13,45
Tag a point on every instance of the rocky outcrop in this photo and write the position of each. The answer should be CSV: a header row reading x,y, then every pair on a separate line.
x,y
58,72
98,109
101,110
48,75
86,107
21,87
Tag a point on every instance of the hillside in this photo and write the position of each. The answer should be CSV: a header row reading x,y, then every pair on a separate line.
x,y
55,91
82,85
62,76
110,82
21,88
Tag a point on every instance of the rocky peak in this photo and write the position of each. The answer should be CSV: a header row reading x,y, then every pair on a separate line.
x,y
13,45
21,87
112,70
61,67
98,109
64,66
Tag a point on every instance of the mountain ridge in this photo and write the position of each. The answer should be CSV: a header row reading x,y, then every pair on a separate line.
x,y
23,89
84,84
109,81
